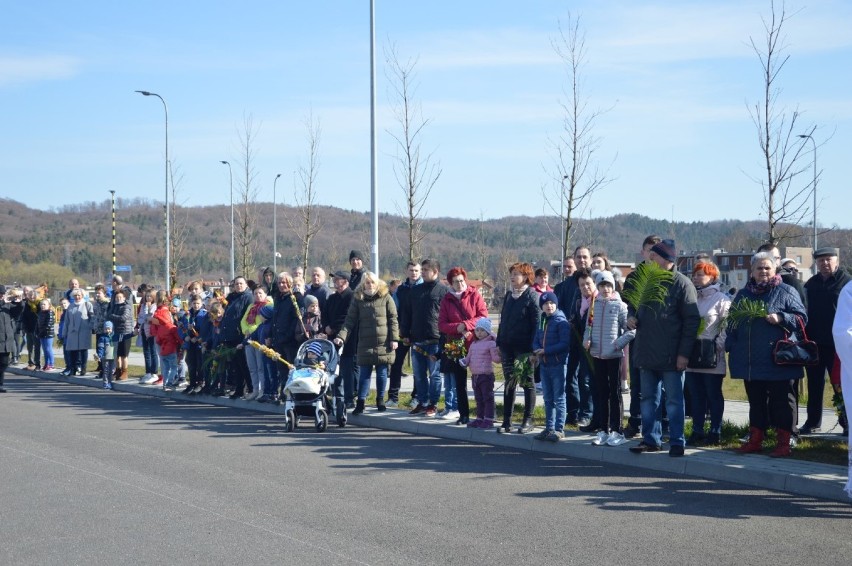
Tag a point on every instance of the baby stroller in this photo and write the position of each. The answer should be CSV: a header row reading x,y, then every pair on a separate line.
x,y
306,393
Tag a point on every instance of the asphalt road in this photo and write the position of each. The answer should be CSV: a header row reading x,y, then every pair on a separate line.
x,y
92,477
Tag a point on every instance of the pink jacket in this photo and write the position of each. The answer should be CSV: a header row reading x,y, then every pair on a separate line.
x,y
480,355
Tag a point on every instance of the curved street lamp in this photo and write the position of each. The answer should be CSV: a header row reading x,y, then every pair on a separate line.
x,y
275,228
168,243
231,177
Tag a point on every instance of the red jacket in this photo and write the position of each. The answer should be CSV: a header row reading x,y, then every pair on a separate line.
x,y
170,342
161,324
467,309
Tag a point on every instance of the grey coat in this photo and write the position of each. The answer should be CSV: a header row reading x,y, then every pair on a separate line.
x,y
78,326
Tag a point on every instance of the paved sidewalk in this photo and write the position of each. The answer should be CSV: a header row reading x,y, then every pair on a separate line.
x,y
787,475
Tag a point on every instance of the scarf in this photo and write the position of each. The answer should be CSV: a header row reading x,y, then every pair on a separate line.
x,y
585,302
516,293
762,288
255,310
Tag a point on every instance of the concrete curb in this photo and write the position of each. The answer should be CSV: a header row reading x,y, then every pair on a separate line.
x,y
799,477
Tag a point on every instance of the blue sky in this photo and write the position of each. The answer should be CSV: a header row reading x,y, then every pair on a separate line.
x,y
677,77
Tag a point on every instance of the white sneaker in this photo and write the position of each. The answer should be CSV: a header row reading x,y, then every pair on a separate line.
x,y
252,396
449,415
148,379
412,404
391,403
615,439
600,438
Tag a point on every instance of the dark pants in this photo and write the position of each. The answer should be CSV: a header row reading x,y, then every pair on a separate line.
x,y
771,403
396,371
462,401
609,406
34,349
149,351
635,410
5,358
193,363
483,393
238,371
510,386
349,376
706,391
578,391
816,384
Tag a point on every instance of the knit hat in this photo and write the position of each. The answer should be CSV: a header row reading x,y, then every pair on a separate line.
x,y
107,327
176,303
604,277
310,300
315,348
666,249
548,297
484,323
356,254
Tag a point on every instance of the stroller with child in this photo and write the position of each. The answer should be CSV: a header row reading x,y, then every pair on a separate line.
x,y
306,393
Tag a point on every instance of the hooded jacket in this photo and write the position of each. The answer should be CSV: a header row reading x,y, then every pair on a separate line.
x,y
554,337
713,305
375,318
607,332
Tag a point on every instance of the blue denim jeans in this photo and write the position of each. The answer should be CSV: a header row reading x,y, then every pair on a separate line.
x,y
706,392
450,400
652,383
553,388
149,351
427,374
47,350
364,381
169,366
101,341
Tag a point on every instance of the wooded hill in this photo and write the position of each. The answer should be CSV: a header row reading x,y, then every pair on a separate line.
x,y
76,240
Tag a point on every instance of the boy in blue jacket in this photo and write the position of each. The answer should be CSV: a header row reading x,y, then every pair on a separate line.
x,y
550,347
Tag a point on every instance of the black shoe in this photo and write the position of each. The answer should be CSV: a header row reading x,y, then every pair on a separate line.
x,y
188,389
583,422
504,428
2,390
359,407
714,439
233,396
571,421
676,450
589,428
631,431
381,408
695,440
642,448
463,420
808,429
526,426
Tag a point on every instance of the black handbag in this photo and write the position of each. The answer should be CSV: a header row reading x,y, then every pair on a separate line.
x,y
704,354
789,352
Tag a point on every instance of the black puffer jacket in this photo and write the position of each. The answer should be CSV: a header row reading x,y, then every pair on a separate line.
x,y
9,315
334,317
424,306
285,319
519,320
229,328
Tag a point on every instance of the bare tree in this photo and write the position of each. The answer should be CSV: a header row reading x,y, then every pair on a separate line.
x,y
575,175
246,207
415,173
478,253
306,222
179,224
782,150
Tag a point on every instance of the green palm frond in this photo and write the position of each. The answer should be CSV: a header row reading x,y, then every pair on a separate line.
x,y
745,310
648,285
522,370
702,326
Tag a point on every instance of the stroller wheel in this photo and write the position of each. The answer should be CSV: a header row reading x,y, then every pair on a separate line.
x,y
291,420
322,421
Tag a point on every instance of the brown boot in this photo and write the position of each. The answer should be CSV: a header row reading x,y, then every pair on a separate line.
x,y
755,442
782,449
121,375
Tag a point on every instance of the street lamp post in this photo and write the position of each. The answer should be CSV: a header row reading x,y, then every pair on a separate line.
x,y
112,198
275,227
374,189
231,177
168,243
810,137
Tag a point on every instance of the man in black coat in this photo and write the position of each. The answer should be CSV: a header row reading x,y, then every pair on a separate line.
x,y
10,311
403,297
333,318
231,335
823,290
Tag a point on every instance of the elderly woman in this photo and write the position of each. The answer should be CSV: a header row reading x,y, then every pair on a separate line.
x,y
78,332
705,384
373,313
457,316
519,321
750,343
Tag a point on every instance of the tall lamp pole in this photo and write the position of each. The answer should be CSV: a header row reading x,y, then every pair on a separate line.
x,y
231,177
810,137
168,242
374,210
112,193
275,228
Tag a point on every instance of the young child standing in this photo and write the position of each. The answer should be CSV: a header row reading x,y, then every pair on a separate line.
x,y
45,330
605,337
108,356
209,343
310,320
482,353
550,346
190,331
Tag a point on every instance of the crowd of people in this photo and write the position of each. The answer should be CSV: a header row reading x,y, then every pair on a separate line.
x,y
575,343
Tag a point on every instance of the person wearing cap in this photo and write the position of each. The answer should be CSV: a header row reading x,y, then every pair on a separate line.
x,y
10,311
604,339
550,347
665,334
823,291
356,262
333,319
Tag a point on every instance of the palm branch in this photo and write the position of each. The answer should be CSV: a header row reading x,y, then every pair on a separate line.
x,y
745,310
649,284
